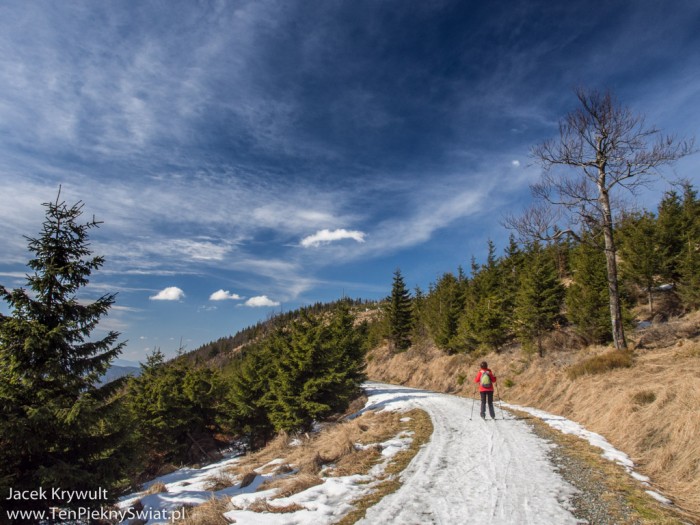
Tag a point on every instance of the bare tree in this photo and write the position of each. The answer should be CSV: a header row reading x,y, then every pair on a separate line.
x,y
608,148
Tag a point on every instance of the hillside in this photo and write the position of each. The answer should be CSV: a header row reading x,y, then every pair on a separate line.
x,y
117,371
649,410
411,456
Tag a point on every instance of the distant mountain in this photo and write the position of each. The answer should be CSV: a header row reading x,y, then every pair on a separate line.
x,y
116,371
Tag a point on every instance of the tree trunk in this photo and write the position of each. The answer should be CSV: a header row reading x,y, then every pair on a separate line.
x,y
618,330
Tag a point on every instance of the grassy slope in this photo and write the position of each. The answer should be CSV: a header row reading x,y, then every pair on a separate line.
x,y
651,411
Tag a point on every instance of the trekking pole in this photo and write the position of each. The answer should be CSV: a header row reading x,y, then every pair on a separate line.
x,y
473,401
500,402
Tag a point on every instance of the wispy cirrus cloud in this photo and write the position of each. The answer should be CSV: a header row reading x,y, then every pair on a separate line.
x,y
288,148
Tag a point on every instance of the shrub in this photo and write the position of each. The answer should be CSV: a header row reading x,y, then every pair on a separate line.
x,y
645,397
601,364
157,488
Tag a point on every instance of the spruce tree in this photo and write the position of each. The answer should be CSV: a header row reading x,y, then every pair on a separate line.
x,y
510,274
689,257
420,315
689,285
484,323
342,358
669,224
246,412
539,298
295,347
445,303
587,304
399,313
57,428
641,258
319,365
173,404
488,307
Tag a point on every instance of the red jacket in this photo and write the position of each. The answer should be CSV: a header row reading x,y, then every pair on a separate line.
x,y
478,380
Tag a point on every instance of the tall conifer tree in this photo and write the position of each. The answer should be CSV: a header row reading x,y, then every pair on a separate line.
x,y
445,304
689,258
539,298
641,258
57,428
669,225
587,298
400,313
319,366
246,411
487,312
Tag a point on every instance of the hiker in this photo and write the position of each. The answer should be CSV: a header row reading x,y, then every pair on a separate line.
x,y
486,380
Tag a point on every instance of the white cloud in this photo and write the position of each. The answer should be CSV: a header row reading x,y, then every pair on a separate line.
x,y
515,163
205,308
223,295
326,236
14,275
118,308
171,293
260,301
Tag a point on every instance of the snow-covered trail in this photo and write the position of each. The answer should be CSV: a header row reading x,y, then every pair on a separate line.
x,y
471,471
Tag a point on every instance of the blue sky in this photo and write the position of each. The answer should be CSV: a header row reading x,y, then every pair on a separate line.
x,y
252,157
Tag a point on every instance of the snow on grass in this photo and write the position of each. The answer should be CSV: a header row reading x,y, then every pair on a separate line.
x,y
324,503
186,486
320,504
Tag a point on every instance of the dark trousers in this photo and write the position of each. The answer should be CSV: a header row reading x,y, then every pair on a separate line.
x,y
487,397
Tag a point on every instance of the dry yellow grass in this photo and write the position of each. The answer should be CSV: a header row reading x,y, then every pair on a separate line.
x,y
335,445
651,411
157,488
209,513
262,505
288,486
425,367
220,481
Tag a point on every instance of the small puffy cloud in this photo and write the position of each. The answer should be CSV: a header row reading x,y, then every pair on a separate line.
x,y
326,236
515,163
171,293
206,308
260,301
223,295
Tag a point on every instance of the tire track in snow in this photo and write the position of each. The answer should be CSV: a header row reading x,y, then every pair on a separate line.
x,y
470,471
